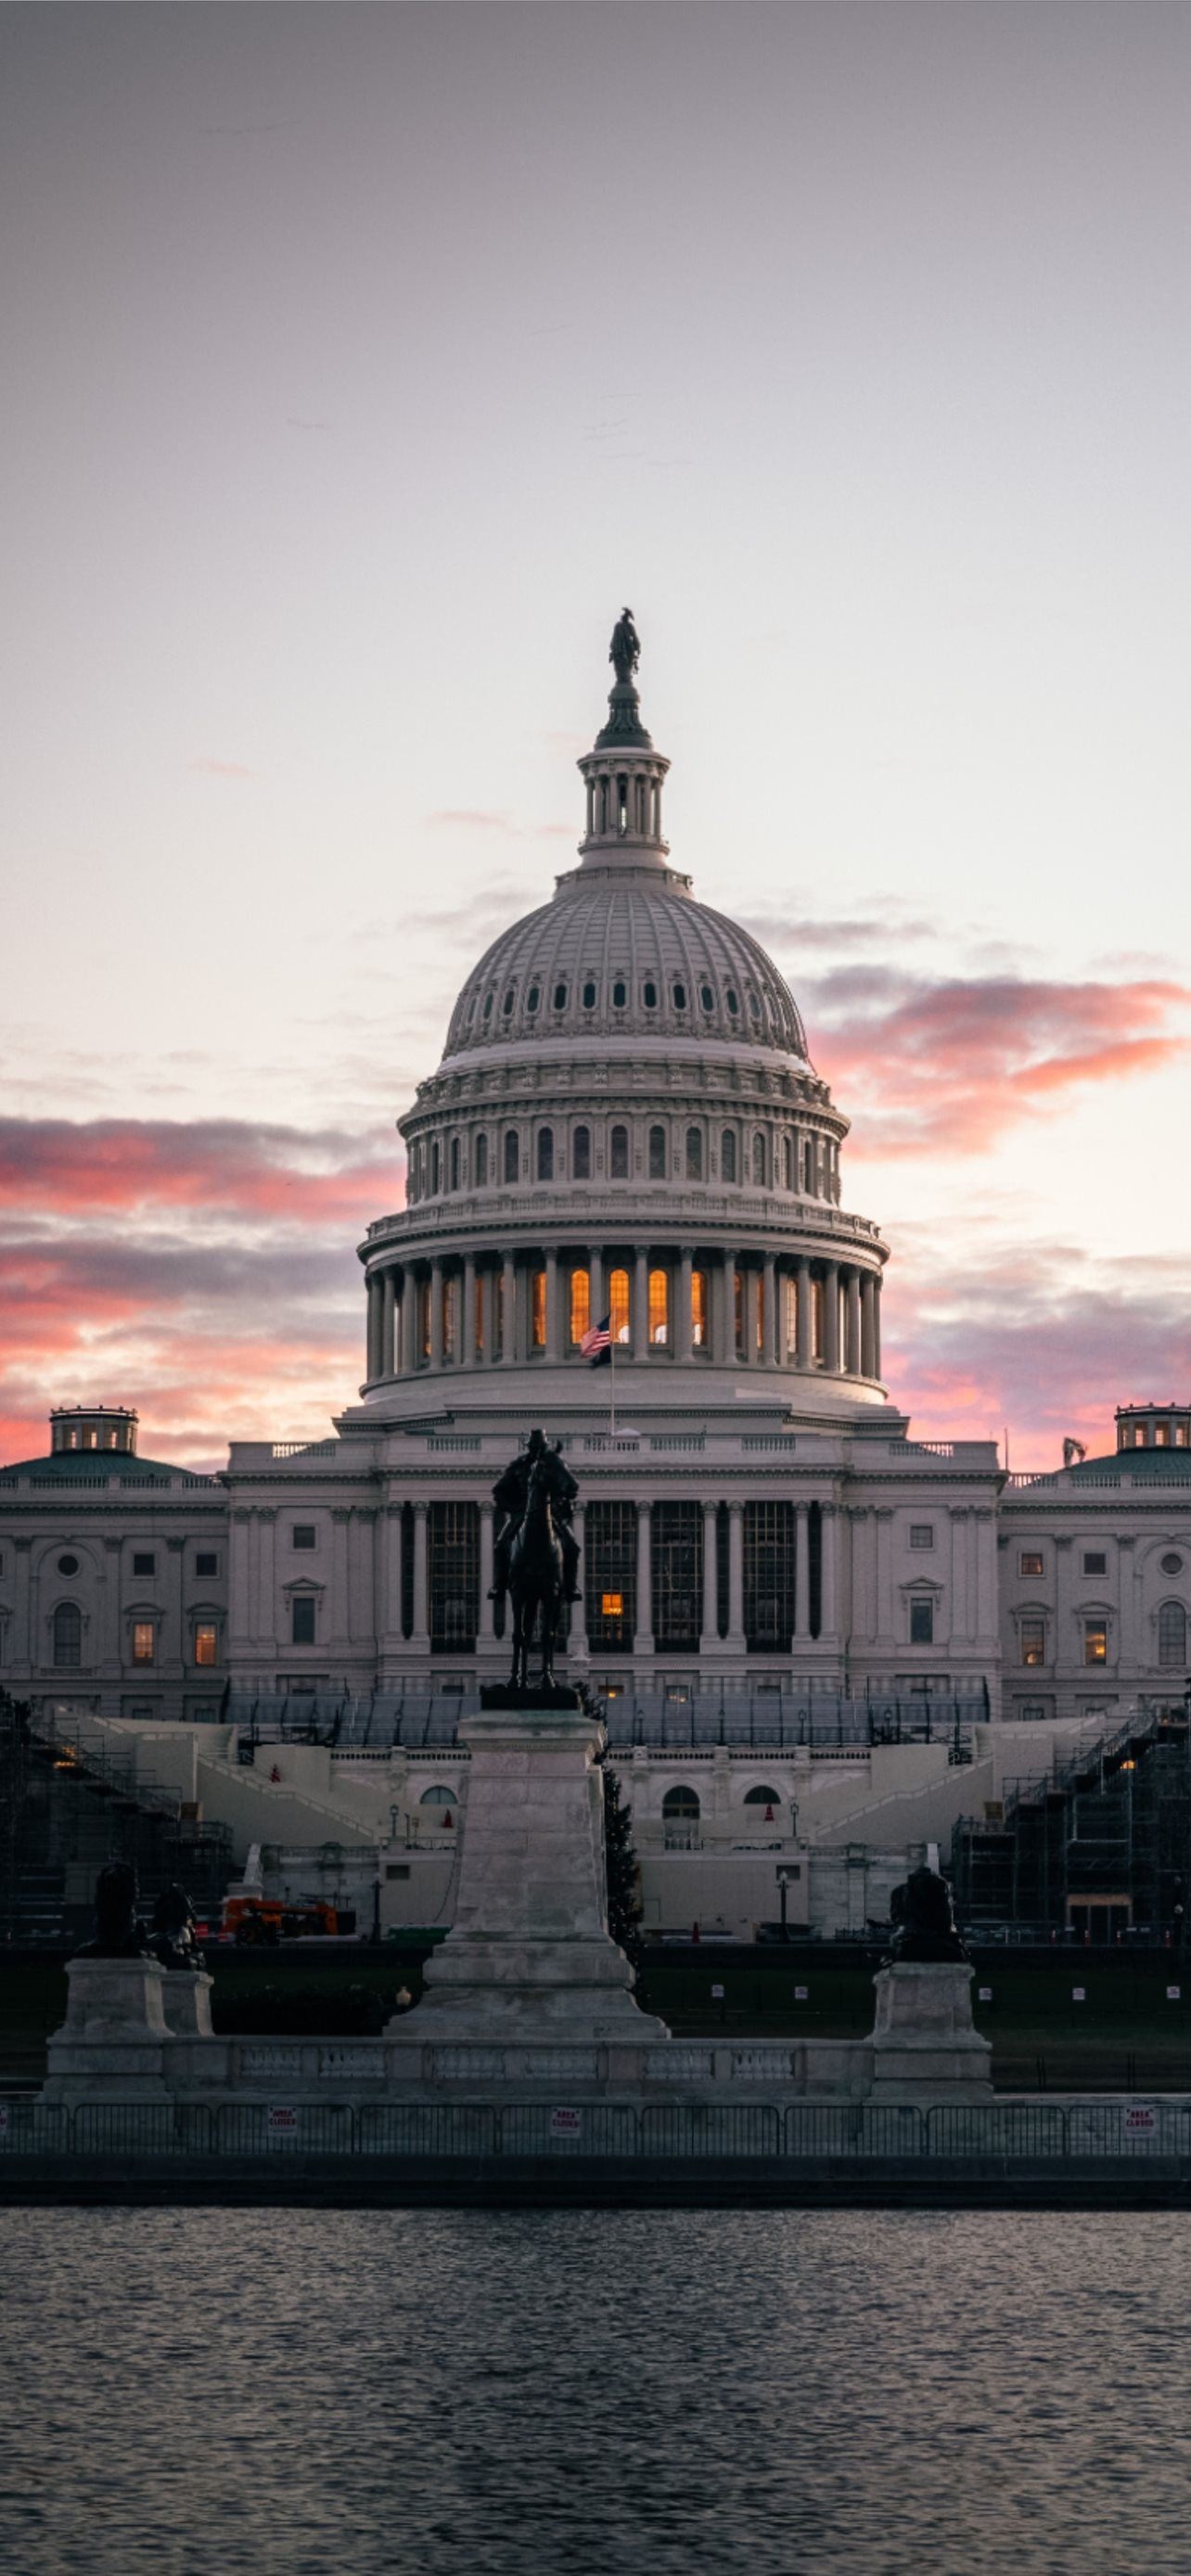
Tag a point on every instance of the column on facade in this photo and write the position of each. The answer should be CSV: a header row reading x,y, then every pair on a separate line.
x,y
961,1605
853,1323
886,1634
710,1631
389,1622
640,1340
736,1574
831,1317
338,1626
770,1326
802,1573
729,1263
683,1327
467,1351
238,1579
829,1580
371,1329
420,1637
802,1351
22,1625
577,1646
385,1341
868,1325
361,1575
555,1342
643,1641
985,1524
508,1338
487,1627
750,1290
436,1345
172,1641
265,1603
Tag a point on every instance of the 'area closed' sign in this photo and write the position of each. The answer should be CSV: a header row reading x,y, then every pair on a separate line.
x,y
566,2123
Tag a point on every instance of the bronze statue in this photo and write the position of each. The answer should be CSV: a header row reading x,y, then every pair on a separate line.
x,y
536,1558
922,1920
174,1928
624,652
511,1493
118,1934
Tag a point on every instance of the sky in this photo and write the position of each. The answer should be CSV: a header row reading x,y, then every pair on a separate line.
x,y
360,362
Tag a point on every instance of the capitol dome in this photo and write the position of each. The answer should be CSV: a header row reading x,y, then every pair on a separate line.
x,y
625,1122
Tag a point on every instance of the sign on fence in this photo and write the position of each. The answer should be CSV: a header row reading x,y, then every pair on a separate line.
x,y
565,2124
282,2120
1139,2120
801,1994
1174,1994
984,1994
717,1994
1079,1994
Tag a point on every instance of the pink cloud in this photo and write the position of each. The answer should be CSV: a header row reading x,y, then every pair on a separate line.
x,y
222,768
60,1166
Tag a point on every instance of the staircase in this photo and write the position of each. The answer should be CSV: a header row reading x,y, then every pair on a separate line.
x,y
1102,1839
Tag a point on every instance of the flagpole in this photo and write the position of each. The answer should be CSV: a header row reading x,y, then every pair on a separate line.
x,y
612,1381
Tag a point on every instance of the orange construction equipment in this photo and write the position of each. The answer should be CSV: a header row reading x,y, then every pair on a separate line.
x,y
268,1919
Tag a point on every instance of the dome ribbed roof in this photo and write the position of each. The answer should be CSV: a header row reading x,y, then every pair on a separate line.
x,y
638,956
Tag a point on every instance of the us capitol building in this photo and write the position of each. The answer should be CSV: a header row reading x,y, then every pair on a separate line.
x,y
626,1128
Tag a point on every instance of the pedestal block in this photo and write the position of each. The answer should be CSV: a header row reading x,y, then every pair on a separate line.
x,y
186,1995
530,1955
113,2043
924,2046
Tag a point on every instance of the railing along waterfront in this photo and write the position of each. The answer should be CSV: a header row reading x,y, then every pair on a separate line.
x,y
996,2134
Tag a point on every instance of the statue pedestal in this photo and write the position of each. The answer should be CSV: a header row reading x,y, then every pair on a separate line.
x,y
924,2047
112,2045
530,1955
186,1996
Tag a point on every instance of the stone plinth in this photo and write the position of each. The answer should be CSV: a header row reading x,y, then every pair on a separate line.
x,y
924,2046
186,1996
114,2042
530,1955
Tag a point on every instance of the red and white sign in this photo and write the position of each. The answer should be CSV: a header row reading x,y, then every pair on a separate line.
x,y
1139,2120
281,2120
566,2124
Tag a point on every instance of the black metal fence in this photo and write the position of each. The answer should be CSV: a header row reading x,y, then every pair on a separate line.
x,y
995,2133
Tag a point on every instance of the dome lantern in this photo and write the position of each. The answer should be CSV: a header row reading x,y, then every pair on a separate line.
x,y
623,773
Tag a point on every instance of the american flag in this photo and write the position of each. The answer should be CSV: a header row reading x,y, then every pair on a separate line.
x,y
596,1344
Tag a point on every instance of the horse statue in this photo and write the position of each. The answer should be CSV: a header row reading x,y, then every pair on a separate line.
x,y
535,1581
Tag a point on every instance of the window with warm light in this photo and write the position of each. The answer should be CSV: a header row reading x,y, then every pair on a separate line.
x,y
612,1605
1029,1562
206,1642
424,1317
580,1304
1033,1641
143,1641
659,1306
699,1310
1161,1435
1095,1641
618,1305
537,1308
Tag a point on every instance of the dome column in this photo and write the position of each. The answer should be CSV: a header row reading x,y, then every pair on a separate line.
x,y
436,1336
467,1352
726,1320
868,1320
595,1285
682,1327
554,1340
640,1303
831,1317
854,1323
802,1329
772,1354
508,1300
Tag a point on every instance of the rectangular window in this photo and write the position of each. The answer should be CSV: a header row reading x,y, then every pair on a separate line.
x,y
1095,1641
610,1575
1095,1561
1029,1562
206,1642
304,1534
659,1306
618,1305
1032,1711
922,1623
537,1308
677,1555
1033,1641
453,1549
699,1310
580,1304
205,1563
769,1576
142,1641
922,1533
302,1611
144,1562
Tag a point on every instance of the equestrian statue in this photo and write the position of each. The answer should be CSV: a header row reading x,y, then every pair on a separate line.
x,y
536,1557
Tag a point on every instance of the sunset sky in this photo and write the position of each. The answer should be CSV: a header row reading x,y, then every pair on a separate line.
x,y
360,362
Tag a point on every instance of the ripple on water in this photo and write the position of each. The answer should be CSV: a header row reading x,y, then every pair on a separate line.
x,y
296,2392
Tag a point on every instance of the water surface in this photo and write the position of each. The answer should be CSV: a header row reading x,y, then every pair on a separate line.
x,y
309,2393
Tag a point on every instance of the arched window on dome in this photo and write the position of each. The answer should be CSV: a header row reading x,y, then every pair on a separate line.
x,y
698,1310
589,995
649,994
507,1004
808,1166
620,994
618,1154
481,1162
68,1637
694,1153
488,1001
678,997
560,997
732,999
580,1305
618,1305
657,1153
532,999
788,1162
545,1153
512,1156
728,1155
581,1154
758,1161
754,1007
454,1162
622,806
659,1308
706,997
1172,1637
435,1168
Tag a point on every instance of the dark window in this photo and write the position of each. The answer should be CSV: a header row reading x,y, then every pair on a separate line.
x,y
680,1819
769,1576
532,998
788,1162
922,1534
481,1162
728,1156
453,1549
435,1166
545,1153
589,995
509,999
694,1154
733,1002
581,1154
68,1565
302,1610
657,1153
754,1007
206,1563
1095,1561
560,997
1172,1564
680,997
707,997
1172,1637
649,995
922,1623
305,1534
68,1637
512,1155
759,1162
618,1165
620,995
610,1552
144,1562
454,1162
488,1007
677,1573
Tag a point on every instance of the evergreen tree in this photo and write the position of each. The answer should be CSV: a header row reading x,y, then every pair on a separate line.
x,y
620,1861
